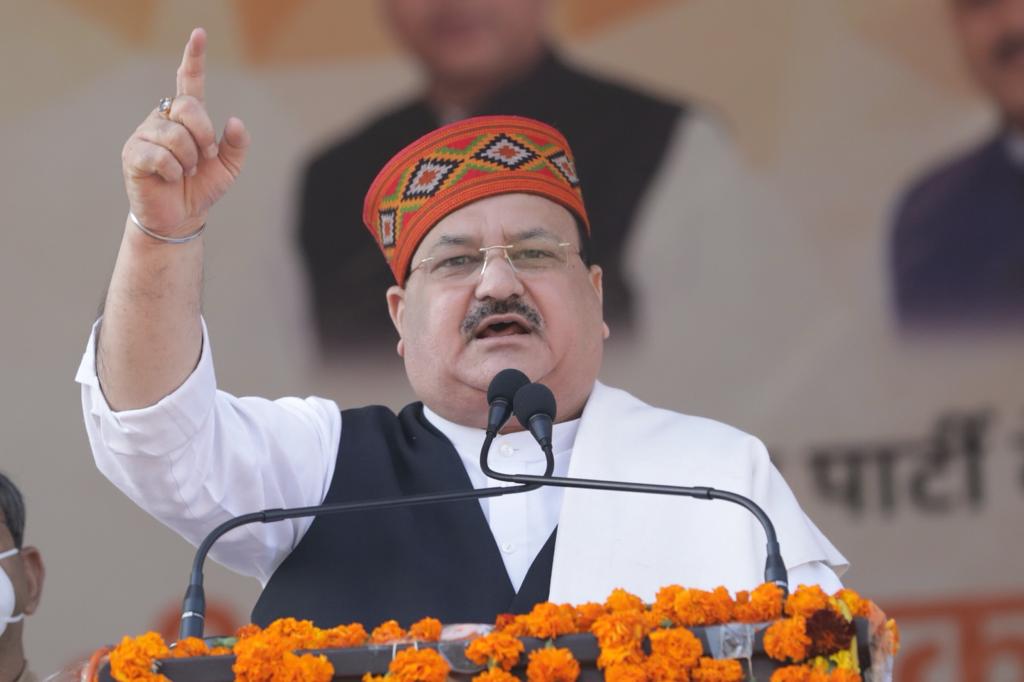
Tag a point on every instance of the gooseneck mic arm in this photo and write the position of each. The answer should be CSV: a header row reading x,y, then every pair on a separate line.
x,y
194,605
535,409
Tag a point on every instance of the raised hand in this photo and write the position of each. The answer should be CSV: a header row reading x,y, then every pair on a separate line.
x,y
174,168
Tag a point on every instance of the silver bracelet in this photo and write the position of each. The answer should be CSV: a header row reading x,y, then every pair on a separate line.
x,y
166,240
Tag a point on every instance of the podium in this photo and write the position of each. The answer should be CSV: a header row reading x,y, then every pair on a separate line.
x,y
742,642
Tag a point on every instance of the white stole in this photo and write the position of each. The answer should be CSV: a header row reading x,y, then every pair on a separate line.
x,y
642,542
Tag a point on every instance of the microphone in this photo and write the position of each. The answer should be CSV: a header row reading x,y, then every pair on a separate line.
x,y
500,395
534,405
535,409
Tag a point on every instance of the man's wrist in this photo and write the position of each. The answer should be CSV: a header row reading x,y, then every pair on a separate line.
x,y
185,234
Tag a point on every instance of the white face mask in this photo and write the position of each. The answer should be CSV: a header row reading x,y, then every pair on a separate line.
x,y
7,595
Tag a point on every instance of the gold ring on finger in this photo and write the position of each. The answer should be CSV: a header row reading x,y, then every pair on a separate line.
x,y
164,107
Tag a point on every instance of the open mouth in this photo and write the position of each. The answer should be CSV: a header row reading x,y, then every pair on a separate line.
x,y
502,326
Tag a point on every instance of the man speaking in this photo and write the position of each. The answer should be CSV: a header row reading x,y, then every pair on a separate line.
x,y
484,227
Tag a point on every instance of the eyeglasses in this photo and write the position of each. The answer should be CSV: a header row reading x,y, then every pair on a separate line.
x,y
533,256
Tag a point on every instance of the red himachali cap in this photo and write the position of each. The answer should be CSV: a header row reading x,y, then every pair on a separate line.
x,y
460,163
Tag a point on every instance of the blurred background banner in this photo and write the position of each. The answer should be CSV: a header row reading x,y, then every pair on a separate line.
x,y
816,169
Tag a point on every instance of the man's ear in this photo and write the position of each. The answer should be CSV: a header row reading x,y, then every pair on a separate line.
x,y
396,308
596,277
35,574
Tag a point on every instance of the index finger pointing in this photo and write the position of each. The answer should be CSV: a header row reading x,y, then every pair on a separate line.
x,y
192,72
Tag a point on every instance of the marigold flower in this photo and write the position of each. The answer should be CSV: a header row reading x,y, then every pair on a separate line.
x,y
503,620
761,605
858,605
806,600
678,645
247,631
842,675
586,614
496,649
552,665
367,677
665,602
699,607
220,651
660,668
893,632
711,670
620,629
547,621
426,630
792,673
621,600
829,632
305,668
418,665
190,647
387,632
625,672
344,636
620,655
495,675
787,639
132,659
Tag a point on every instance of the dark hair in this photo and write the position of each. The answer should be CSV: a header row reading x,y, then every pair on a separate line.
x,y
13,507
581,230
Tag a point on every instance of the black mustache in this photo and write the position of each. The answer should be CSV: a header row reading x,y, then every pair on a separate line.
x,y
1008,47
505,307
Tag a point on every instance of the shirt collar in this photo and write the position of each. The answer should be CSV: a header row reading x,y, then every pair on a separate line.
x,y
468,441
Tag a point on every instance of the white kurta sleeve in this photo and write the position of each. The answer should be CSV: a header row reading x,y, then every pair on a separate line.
x,y
201,456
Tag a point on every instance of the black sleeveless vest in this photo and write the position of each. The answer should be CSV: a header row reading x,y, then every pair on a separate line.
x,y
437,560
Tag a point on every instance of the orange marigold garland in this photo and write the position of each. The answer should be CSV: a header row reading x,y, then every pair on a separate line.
x,y
762,605
345,636
267,655
387,632
712,670
626,672
547,621
819,635
806,600
189,647
678,645
552,665
620,637
495,675
665,603
621,600
660,668
699,607
426,630
132,659
787,639
418,665
586,614
495,650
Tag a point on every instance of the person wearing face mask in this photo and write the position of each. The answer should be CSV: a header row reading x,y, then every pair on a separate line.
x,y
483,226
21,584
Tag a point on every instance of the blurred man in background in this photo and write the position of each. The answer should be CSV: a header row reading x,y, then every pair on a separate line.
x,y
958,241
488,57
21,583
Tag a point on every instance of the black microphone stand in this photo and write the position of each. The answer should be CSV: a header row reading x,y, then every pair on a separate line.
x,y
193,608
194,603
774,569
